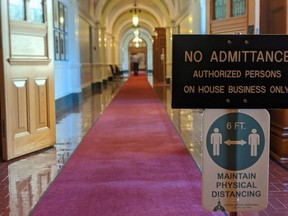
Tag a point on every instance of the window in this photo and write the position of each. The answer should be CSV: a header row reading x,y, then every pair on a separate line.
x,y
219,9
238,7
60,31
27,10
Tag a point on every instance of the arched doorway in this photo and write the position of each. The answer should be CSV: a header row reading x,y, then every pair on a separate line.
x,y
138,46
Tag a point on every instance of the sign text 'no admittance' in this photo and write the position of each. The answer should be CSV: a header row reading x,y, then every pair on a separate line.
x,y
230,71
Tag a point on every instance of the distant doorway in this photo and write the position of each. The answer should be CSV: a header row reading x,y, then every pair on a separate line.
x,y
139,48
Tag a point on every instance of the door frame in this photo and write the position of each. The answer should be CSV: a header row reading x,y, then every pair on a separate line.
x,y
2,93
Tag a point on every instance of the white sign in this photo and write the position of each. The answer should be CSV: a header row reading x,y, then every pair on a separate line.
x,y
235,159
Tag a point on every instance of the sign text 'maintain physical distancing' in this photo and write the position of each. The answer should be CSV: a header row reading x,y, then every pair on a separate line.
x,y
230,71
235,159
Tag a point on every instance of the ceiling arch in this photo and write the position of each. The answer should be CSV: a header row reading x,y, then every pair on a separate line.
x,y
115,15
125,17
124,24
115,18
154,13
163,8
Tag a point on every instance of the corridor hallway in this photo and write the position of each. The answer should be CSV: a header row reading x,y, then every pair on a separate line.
x,y
23,180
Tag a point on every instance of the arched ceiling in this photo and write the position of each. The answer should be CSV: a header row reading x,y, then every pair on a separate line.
x,y
116,17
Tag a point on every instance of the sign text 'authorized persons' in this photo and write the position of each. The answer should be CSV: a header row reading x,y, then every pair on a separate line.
x,y
229,71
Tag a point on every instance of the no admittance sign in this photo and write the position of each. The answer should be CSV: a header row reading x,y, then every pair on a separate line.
x,y
230,71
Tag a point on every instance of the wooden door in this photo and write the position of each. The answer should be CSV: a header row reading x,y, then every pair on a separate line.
x,y
159,53
27,92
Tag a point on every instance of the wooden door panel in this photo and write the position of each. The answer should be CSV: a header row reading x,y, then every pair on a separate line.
x,y
30,129
27,45
28,41
21,106
28,97
41,103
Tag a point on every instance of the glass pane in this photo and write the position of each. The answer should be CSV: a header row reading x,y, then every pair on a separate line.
x,y
56,14
65,19
62,46
16,9
61,17
220,9
35,11
56,45
238,7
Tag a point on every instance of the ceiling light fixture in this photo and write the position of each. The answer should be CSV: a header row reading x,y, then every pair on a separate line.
x,y
135,11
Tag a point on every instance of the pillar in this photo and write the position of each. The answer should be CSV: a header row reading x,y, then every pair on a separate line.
x,y
159,54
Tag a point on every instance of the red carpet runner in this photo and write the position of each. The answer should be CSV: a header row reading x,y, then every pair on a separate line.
x,y
131,163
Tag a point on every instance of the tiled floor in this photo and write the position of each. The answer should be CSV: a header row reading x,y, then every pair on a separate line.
x,y
23,180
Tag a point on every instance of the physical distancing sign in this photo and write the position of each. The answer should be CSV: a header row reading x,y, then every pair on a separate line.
x,y
235,160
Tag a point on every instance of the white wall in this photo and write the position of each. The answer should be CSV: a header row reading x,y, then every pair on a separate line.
x,y
67,73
